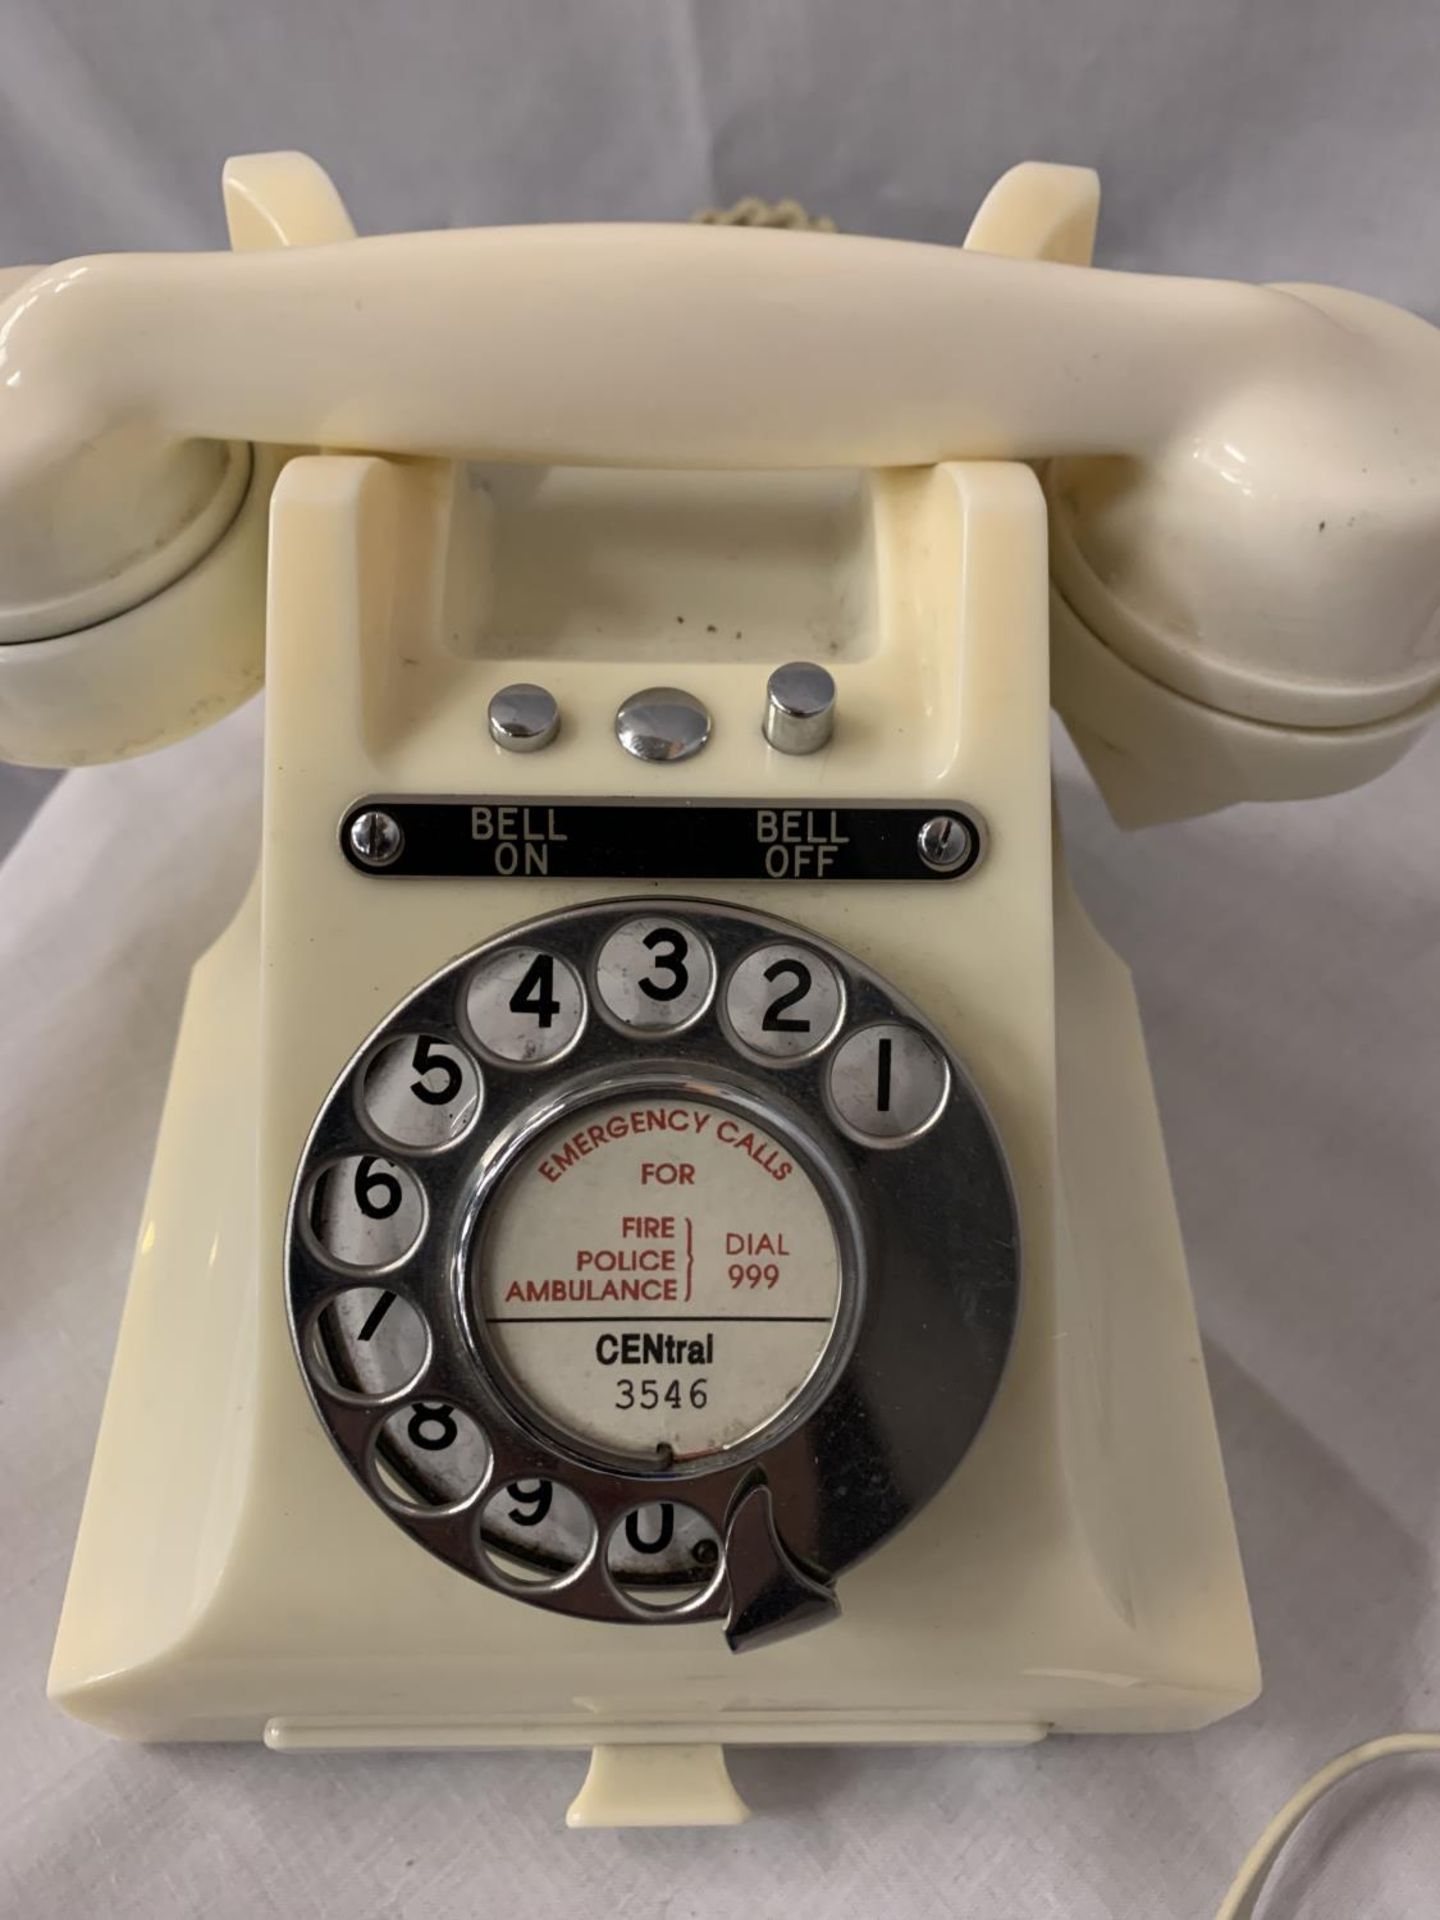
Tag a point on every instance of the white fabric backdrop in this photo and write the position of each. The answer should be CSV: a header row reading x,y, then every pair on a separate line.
x,y
1288,960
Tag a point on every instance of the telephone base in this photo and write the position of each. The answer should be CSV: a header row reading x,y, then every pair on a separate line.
x,y
195,1611
1078,1571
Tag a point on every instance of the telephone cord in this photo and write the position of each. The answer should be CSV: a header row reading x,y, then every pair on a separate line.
x,y
1239,1903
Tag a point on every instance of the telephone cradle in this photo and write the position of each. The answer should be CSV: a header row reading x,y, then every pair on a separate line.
x,y
660,1237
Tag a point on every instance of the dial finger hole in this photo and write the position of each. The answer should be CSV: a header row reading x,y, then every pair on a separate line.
x,y
429,1455
525,1006
654,975
367,1343
783,1002
534,1533
365,1211
887,1084
421,1092
663,1555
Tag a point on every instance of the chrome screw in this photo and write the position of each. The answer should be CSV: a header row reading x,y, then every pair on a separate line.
x,y
375,838
945,843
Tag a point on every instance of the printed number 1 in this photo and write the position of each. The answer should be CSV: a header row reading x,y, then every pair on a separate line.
x,y
882,1077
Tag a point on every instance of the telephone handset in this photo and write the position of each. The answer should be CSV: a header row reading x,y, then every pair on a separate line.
x,y
1245,488
702,1145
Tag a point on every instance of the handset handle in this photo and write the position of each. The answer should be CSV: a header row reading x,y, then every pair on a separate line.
x,y
657,346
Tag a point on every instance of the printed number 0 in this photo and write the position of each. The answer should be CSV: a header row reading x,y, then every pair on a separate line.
x,y
672,963
796,970
664,1531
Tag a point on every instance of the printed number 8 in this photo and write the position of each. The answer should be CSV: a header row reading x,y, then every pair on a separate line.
x,y
432,1427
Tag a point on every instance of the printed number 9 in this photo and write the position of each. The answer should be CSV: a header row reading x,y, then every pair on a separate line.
x,y
537,1502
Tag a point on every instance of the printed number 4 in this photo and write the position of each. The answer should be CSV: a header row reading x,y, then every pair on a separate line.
x,y
536,992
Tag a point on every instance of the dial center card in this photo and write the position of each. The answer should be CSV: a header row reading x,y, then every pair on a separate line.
x,y
659,1276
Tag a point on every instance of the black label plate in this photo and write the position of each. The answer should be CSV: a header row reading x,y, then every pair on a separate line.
x,y
491,839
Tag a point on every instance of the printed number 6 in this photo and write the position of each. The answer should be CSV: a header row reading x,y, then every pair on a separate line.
x,y
368,1183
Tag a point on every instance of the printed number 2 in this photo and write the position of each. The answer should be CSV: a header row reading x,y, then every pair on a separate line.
x,y
774,1021
536,992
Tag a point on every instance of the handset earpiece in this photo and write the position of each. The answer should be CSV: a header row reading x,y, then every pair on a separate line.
x,y
1251,609
1248,611
132,560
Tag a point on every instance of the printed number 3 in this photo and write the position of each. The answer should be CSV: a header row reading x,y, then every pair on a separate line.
x,y
671,962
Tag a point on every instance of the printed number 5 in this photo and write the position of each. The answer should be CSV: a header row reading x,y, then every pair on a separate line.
x,y
428,1059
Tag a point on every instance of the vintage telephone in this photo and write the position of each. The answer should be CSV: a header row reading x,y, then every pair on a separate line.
x,y
660,1235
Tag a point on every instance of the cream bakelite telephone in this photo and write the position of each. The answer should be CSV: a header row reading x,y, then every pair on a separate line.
x,y
660,1235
